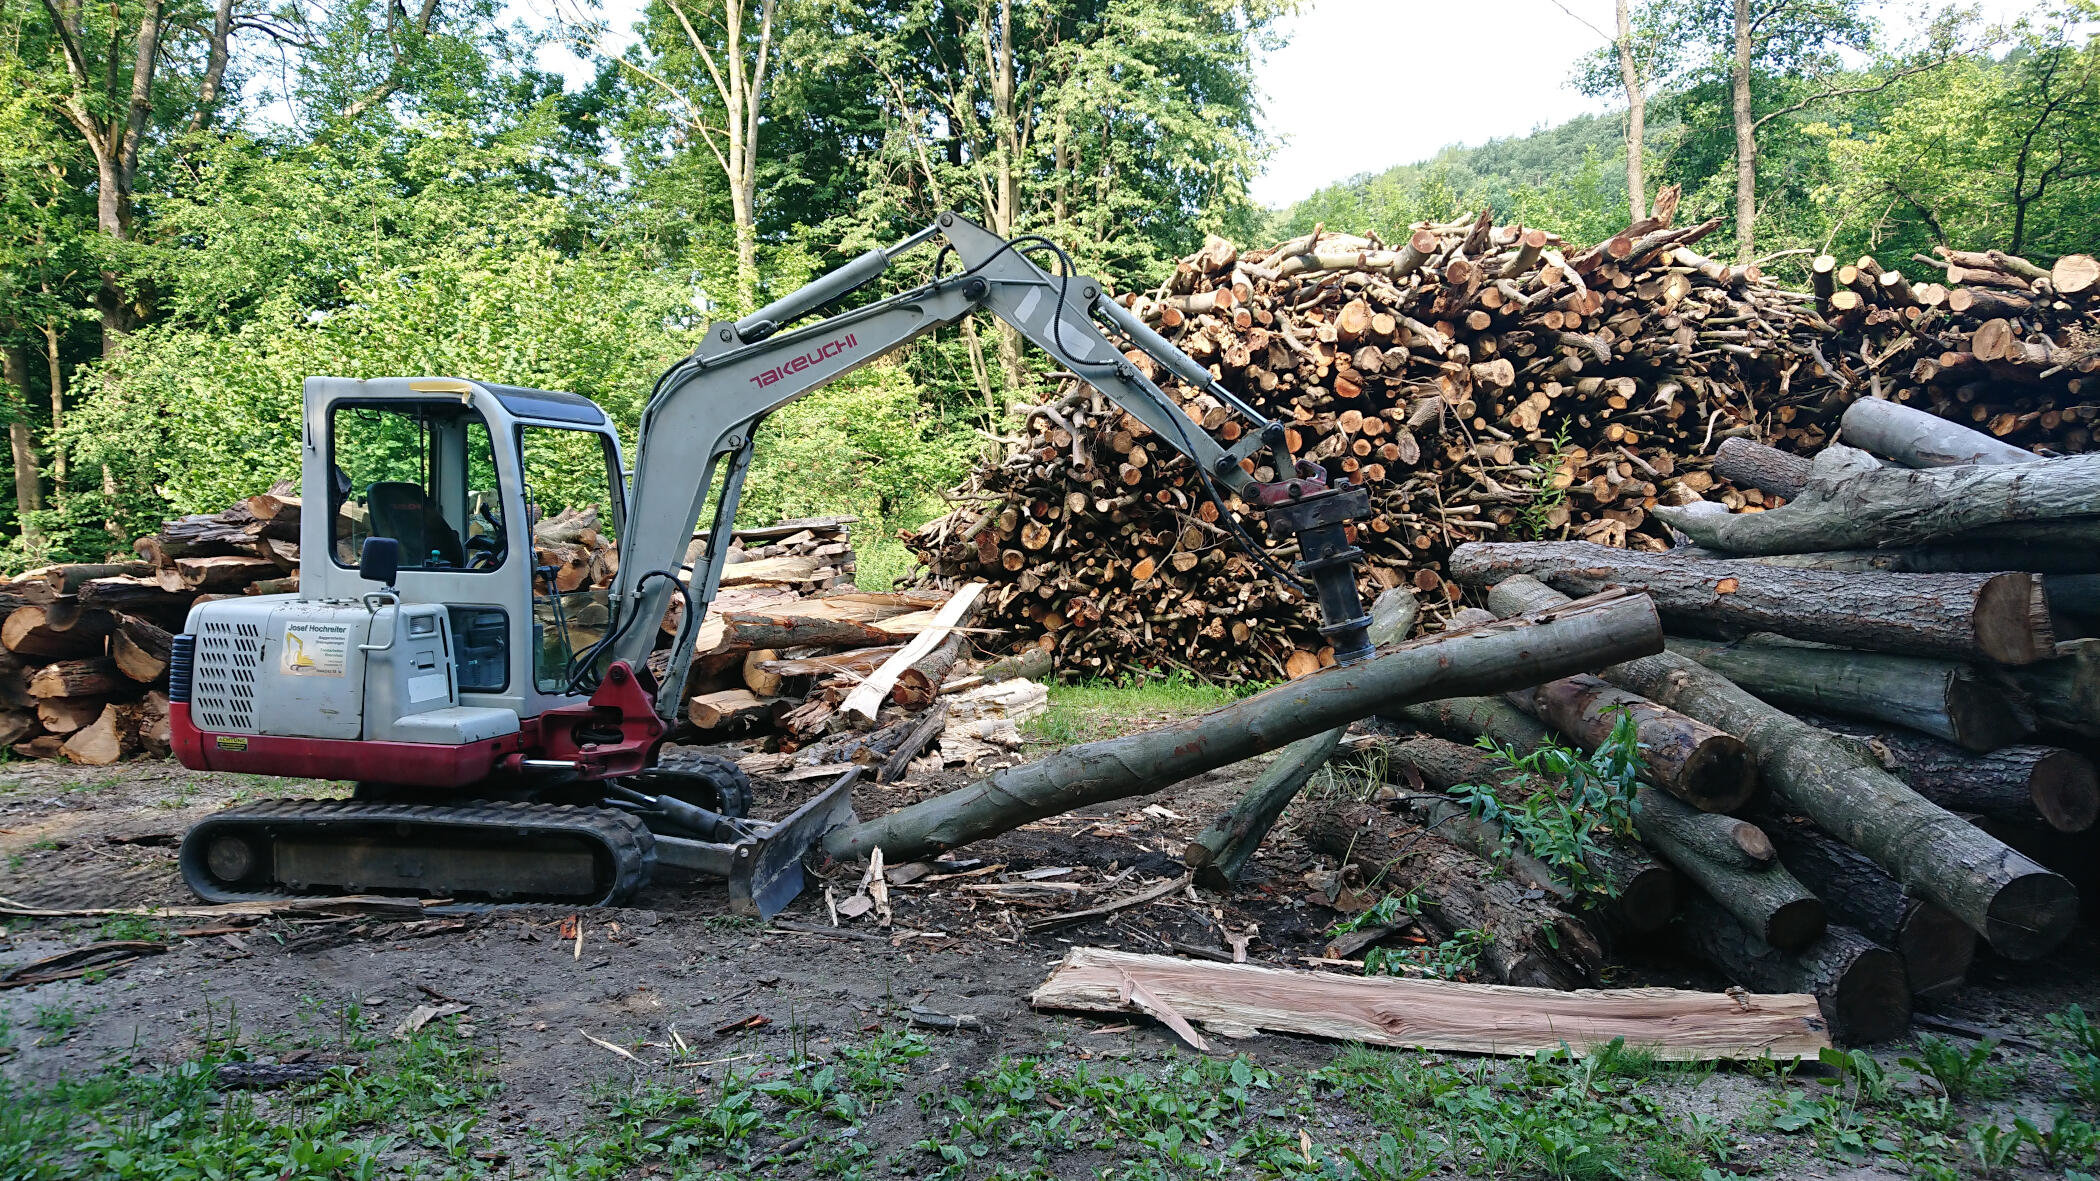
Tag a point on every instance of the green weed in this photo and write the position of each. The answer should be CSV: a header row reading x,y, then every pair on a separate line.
x,y
134,927
1961,1073
1576,797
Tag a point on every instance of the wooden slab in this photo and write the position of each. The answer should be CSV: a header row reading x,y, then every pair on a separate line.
x,y
1677,1024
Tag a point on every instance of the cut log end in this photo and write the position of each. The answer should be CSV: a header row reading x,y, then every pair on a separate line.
x,y
1720,775
2012,619
2066,791
2030,915
1937,950
1870,1001
1796,923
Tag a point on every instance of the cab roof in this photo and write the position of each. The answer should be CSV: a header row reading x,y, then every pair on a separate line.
x,y
551,405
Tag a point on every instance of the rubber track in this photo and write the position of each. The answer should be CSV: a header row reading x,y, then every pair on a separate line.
x,y
632,846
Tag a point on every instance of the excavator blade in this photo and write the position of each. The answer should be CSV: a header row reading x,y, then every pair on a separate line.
x,y
767,873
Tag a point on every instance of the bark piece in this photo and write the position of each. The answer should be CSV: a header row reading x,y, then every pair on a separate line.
x,y
1482,660
1935,947
1952,701
1920,439
1441,1015
1851,502
1706,768
2001,617
1858,984
2022,909
922,734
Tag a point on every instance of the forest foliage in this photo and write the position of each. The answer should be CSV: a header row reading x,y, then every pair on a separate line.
x,y
204,201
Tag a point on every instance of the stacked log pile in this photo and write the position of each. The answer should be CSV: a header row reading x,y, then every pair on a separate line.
x,y
1899,738
1487,383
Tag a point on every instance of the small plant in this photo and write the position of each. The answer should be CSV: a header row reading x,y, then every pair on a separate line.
x,y
1382,913
1455,958
135,928
56,1022
1994,1147
2068,1142
2078,1052
1959,1072
1577,796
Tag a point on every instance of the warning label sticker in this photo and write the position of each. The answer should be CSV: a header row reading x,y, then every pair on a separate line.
x,y
315,649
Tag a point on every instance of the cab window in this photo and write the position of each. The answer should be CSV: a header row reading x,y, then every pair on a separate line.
x,y
573,498
422,473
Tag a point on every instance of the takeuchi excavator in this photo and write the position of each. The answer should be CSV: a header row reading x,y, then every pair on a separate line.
x,y
506,739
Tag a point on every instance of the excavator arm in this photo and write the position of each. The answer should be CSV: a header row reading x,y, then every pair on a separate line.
x,y
696,434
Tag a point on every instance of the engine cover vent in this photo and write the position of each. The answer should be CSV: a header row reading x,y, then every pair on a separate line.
x,y
222,692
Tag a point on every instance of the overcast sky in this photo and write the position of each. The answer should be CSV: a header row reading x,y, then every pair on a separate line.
x,y
1364,85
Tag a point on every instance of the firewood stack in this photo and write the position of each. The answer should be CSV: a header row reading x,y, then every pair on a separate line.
x,y
1487,384
1990,340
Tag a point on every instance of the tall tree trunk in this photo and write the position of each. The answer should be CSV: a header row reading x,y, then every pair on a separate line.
x,y
1636,116
1745,140
29,494
57,372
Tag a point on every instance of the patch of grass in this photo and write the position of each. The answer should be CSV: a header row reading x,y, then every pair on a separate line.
x,y
55,1022
1093,710
134,927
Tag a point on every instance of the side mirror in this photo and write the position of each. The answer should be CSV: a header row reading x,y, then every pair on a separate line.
x,y
380,560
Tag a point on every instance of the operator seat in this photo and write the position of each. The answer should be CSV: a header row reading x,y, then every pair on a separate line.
x,y
400,510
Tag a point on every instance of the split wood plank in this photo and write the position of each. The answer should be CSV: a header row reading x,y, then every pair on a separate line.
x,y
1677,1024
862,704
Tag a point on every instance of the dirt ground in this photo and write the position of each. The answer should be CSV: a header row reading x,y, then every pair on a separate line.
x,y
672,995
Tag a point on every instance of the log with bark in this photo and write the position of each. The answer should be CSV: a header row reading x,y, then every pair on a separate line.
x,y
59,631
1858,984
1919,439
1936,949
1529,941
1554,643
2065,692
1767,469
1642,891
1852,502
1706,768
2020,784
1730,858
2002,617
1220,852
2022,909
1970,707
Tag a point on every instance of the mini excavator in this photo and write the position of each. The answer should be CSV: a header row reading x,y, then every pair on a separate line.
x,y
508,740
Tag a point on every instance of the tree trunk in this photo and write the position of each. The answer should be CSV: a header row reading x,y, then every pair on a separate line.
x,y
1919,439
2021,908
1935,948
1643,891
29,494
1691,760
1474,716
1636,115
54,367
1972,557
1530,941
1745,139
1998,617
1851,502
1754,465
1221,851
2015,783
1857,983
1950,701
1481,660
